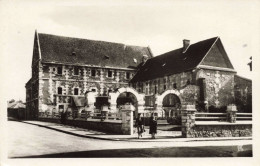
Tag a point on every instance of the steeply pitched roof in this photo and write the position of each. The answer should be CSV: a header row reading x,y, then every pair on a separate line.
x,y
174,61
59,49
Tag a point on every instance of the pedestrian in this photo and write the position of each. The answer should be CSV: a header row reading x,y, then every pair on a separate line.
x,y
62,117
139,123
65,117
153,126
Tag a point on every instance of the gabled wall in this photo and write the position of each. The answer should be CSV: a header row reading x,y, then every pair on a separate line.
x,y
217,57
32,87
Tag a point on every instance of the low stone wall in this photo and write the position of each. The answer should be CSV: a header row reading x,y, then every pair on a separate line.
x,y
232,128
108,127
220,130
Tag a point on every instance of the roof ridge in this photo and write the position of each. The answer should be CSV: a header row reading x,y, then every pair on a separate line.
x,y
129,45
189,46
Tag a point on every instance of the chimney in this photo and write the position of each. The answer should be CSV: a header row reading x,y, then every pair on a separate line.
x,y
186,44
145,58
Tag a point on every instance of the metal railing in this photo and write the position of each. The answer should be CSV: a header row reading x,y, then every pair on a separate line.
x,y
211,116
82,116
243,116
222,116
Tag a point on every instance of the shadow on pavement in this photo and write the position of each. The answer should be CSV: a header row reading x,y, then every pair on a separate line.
x,y
207,151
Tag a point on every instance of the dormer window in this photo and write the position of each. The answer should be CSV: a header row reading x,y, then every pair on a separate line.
x,y
73,53
106,57
59,70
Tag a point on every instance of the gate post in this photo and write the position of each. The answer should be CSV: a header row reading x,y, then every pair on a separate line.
x,y
231,113
188,120
127,119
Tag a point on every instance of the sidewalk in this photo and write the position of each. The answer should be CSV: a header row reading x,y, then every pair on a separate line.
x,y
162,136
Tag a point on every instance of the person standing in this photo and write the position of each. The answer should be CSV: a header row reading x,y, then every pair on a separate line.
x,y
153,126
139,123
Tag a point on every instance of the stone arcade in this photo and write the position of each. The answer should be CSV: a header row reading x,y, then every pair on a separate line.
x,y
85,75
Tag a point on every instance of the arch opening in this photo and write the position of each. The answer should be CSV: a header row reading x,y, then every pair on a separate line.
x,y
171,104
126,98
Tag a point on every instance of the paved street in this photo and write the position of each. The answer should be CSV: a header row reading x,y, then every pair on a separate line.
x,y
28,140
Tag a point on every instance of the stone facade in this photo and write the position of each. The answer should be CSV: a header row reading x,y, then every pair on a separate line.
x,y
243,94
84,81
219,87
202,75
221,131
61,73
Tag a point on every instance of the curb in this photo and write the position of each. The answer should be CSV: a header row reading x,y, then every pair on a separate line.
x,y
141,140
70,133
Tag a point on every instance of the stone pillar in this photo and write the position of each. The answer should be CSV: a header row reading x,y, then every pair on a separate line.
x,y
231,113
127,119
188,120
91,99
112,100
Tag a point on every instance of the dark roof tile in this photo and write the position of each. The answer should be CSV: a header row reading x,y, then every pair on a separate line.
x,y
174,61
59,49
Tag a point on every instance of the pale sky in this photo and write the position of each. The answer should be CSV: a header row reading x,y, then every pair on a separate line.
x,y
161,25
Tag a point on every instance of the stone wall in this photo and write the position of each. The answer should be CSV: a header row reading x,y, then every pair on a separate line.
x,y
108,127
162,84
192,128
243,94
219,87
231,130
83,81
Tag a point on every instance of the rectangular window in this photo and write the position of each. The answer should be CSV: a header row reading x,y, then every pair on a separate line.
x,y
76,91
60,70
155,90
109,73
59,90
175,86
76,71
93,73
127,75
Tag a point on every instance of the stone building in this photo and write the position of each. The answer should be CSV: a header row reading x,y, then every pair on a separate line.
x,y
243,94
66,70
87,75
199,74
